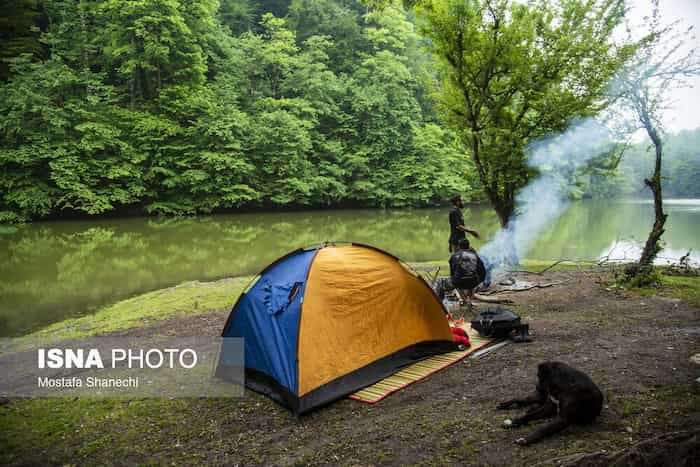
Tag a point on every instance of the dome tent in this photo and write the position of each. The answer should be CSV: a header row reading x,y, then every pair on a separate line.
x,y
323,322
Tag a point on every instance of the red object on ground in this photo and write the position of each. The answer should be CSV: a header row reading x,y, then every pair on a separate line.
x,y
461,340
459,335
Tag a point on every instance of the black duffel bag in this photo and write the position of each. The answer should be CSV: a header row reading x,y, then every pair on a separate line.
x,y
496,322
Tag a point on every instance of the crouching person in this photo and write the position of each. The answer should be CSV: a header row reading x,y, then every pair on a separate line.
x,y
466,272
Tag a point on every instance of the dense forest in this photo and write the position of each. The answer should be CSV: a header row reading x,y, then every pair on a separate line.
x,y
176,107
179,107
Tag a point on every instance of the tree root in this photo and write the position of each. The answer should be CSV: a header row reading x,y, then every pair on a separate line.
x,y
677,449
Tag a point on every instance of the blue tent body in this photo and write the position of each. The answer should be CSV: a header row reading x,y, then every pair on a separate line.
x,y
271,335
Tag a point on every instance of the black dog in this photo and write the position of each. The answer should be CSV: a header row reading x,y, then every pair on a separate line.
x,y
562,391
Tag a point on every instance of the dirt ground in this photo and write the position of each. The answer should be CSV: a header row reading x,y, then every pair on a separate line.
x,y
636,348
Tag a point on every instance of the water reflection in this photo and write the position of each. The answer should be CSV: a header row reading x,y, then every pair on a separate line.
x,y
52,270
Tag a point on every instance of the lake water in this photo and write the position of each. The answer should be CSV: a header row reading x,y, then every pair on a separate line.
x,y
53,270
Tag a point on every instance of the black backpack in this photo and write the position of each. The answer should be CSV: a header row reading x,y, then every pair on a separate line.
x,y
496,322
466,270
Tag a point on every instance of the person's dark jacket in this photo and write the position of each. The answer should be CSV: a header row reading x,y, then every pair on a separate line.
x,y
456,219
466,269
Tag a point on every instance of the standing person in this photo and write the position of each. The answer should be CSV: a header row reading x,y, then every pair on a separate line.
x,y
457,229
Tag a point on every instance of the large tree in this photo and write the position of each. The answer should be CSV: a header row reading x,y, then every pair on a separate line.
x,y
512,72
662,63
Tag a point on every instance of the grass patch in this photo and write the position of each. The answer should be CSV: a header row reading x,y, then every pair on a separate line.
x,y
189,298
630,407
465,450
686,288
97,430
105,431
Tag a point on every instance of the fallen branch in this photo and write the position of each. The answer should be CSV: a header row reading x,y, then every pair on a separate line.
x,y
483,298
534,286
573,261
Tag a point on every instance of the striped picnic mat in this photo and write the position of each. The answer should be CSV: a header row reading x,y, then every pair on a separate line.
x,y
417,371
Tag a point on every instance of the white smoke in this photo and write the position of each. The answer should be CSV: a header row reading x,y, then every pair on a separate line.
x,y
556,158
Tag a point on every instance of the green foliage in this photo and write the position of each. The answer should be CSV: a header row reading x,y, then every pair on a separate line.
x,y
236,14
62,148
513,72
151,44
20,22
339,20
171,107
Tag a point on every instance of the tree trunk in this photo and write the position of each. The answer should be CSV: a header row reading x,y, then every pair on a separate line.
x,y
504,211
503,206
651,248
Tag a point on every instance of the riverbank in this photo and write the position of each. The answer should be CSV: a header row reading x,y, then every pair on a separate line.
x,y
635,346
187,299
